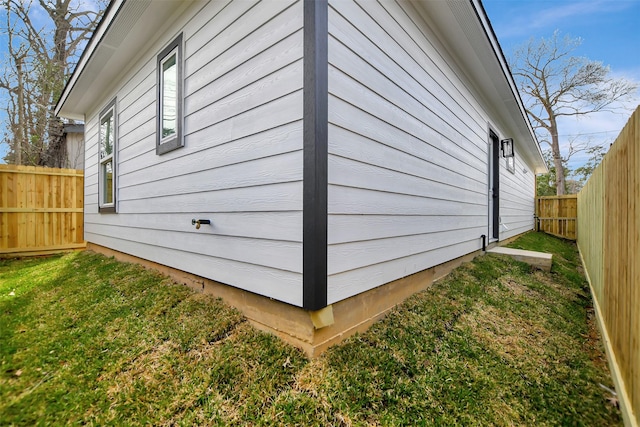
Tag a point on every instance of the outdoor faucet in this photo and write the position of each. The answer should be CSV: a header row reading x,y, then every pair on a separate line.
x,y
199,222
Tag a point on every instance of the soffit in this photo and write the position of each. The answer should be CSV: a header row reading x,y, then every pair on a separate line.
x,y
468,38
129,26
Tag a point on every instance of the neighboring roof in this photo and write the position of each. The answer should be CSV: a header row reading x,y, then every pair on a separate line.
x,y
475,48
75,128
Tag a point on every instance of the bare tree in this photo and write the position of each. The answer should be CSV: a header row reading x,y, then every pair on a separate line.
x,y
41,56
556,84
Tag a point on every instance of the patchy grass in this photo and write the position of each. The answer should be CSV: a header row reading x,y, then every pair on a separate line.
x,y
88,340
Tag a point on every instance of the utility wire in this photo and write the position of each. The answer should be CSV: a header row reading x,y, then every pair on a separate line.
x,y
590,133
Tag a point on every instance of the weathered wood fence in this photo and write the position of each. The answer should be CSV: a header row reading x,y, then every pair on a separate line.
x,y
557,215
41,210
609,242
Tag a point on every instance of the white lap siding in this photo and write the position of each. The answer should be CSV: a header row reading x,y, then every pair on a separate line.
x,y
517,198
241,164
408,151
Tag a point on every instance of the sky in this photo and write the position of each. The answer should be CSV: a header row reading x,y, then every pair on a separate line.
x,y
610,33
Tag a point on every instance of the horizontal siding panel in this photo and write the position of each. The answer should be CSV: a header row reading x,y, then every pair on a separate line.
x,y
138,87
357,201
350,173
140,141
131,107
415,39
260,172
129,130
517,199
91,180
366,150
254,278
516,229
273,112
207,22
216,21
231,72
266,198
508,206
515,222
271,253
285,226
354,255
278,112
233,24
349,124
277,85
354,228
218,151
353,282
251,125
375,69
352,92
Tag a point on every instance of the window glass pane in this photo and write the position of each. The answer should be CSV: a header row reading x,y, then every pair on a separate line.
x,y
107,174
106,136
169,96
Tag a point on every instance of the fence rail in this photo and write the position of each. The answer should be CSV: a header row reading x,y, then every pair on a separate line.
x,y
609,243
557,215
41,210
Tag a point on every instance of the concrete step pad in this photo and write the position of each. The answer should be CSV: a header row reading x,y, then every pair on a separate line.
x,y
539,260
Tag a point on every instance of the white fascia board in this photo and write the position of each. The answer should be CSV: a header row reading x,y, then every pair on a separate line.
x,y
495,45
110,14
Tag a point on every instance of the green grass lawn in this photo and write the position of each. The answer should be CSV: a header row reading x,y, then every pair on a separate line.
x,y
85,339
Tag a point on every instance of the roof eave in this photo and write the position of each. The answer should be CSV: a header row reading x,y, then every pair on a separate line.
x,y
62,109
539,163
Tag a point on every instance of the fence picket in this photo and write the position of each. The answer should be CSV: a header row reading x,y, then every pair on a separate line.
x,y
557,215
609,243
41,210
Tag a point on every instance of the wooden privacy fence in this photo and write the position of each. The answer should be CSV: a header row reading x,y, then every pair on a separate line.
x,y
557,215
41,210
609,243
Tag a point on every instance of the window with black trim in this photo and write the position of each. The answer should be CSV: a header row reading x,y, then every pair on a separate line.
x,y
108,140
169,98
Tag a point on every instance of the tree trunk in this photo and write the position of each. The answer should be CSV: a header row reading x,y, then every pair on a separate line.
x,y
57,150
56,147
21,136
557,157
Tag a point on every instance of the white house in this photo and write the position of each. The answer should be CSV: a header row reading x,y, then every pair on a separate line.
x,y
313,162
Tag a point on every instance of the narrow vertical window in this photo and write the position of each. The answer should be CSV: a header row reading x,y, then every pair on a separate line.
x,y
169,99
107,173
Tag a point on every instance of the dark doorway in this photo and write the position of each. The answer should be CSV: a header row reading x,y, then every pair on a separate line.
x,y
495,185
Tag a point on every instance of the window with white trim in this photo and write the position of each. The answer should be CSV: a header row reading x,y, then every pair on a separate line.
x,y
169,98
108,137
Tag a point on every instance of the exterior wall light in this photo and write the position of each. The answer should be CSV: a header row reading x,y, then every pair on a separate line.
x,y
507,147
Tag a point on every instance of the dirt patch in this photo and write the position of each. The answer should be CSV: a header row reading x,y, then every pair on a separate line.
x,y
513,338
515,287
150,368
593,344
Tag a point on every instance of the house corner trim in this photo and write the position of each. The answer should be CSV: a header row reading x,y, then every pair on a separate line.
x,y
315,146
